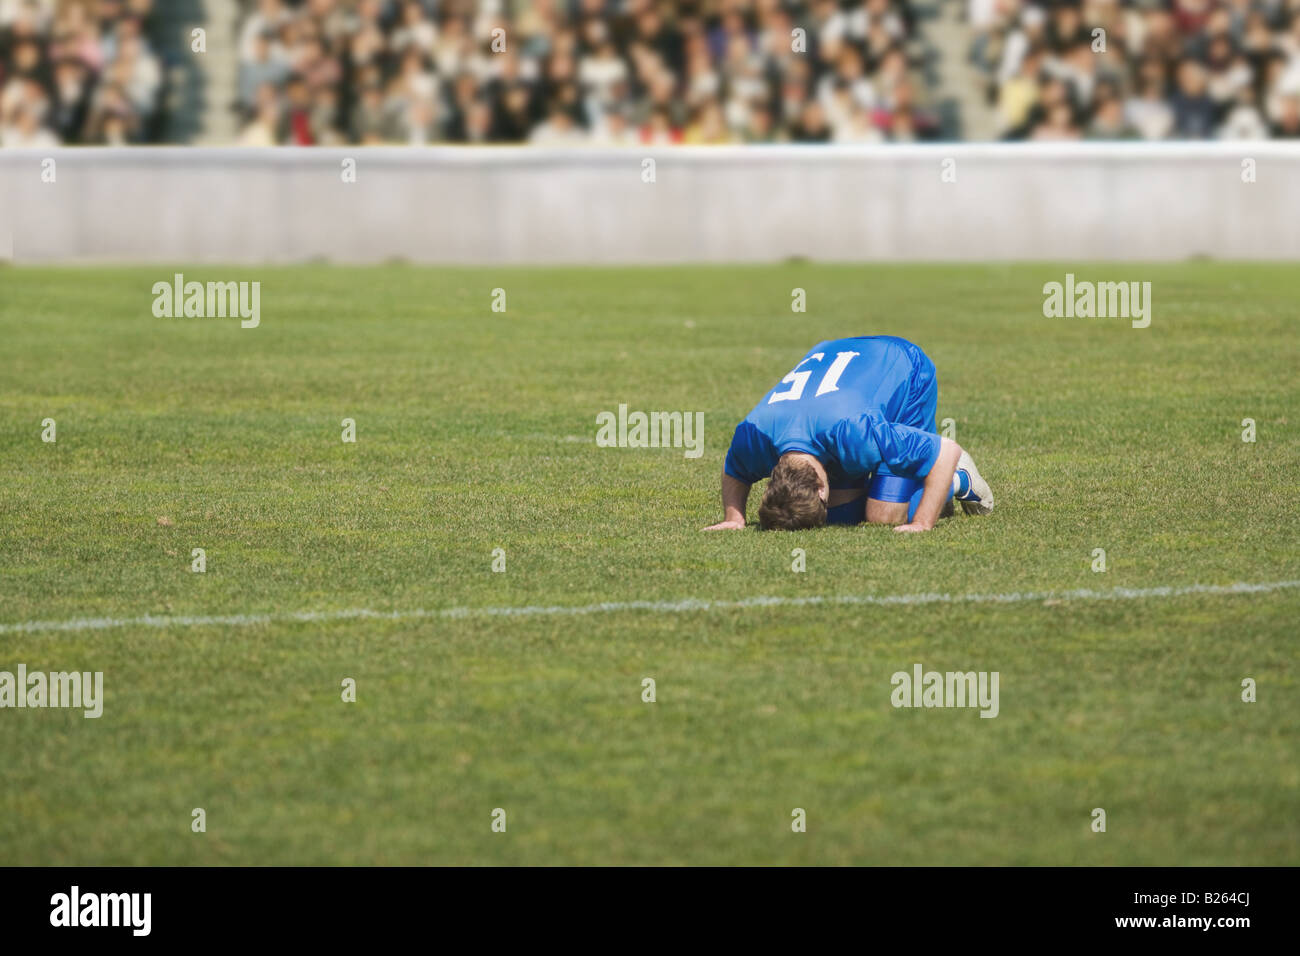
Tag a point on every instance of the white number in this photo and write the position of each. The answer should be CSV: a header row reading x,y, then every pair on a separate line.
x,y
797,379
829,383
832,376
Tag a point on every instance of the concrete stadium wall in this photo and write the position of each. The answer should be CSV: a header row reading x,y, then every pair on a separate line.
x,y
532,205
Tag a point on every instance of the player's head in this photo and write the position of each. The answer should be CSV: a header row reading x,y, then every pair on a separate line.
x,y
796,496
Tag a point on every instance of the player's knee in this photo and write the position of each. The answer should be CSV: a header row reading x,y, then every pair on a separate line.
x,y
889,497
886,512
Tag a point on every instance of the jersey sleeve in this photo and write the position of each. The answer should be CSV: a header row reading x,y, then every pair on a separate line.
x,y
861,445
752,456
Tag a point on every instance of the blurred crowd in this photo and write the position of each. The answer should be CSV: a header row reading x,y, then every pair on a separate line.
x,y
1141,69
77,71
580,71
653,71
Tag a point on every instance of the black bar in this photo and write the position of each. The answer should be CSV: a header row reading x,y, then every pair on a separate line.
x,y
333,906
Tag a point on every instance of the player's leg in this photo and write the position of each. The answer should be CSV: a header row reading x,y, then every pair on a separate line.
x,y
900,512
920,410
892,499
887,512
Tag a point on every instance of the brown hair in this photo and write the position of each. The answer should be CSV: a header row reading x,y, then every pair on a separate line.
x,y
792,500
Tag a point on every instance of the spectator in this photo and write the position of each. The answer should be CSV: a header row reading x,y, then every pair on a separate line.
x,y
614,130
1244,120
1108,121
558,129
72,86
1194,111
264,128
1287,125
1150,113
24,130
411,71
1158,69
265,64
113,121
77,71
1019,94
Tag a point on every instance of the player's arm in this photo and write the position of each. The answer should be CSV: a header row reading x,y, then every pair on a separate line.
x,y
750,459
735,494
938,486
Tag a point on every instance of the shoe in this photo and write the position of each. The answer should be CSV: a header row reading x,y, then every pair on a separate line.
x,y
976,496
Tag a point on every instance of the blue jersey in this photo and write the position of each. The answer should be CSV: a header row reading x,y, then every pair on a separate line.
x,y
860,405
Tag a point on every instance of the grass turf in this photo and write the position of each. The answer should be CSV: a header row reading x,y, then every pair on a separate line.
x,y
476,432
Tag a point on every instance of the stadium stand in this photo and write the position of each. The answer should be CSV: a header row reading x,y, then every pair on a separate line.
x,y
82,71
587,71
578,72
1141,69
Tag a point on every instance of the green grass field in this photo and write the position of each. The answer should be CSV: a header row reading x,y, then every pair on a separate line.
x,y
475,431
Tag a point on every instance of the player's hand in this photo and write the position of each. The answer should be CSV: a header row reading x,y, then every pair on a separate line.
x,y
725,526
914,526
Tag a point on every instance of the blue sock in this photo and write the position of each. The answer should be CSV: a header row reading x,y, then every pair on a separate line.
x,y
961,486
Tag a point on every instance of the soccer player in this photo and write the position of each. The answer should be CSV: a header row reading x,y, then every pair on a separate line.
x,y
850,435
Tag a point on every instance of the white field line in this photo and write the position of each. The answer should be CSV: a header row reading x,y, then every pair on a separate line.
x,y
686,605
